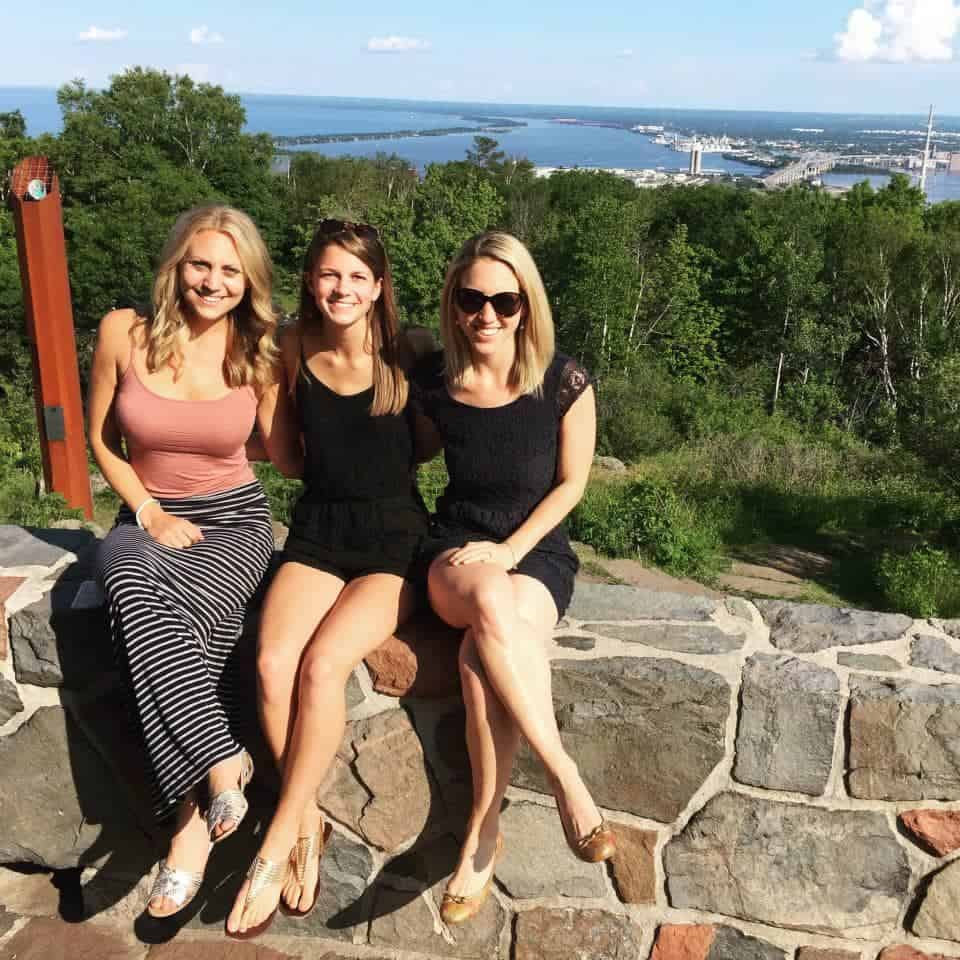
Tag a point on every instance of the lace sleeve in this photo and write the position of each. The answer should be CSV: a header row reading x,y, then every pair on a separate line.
x,y
574,379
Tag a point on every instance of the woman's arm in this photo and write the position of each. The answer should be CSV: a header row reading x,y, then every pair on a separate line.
x,y
578,437
276,418
112,351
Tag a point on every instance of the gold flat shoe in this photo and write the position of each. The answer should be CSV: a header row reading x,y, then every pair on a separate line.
x,y
262,874
305,850
459,909
230,804
594,847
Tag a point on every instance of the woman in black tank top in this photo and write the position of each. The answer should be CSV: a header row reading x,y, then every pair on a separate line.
x,y
345,579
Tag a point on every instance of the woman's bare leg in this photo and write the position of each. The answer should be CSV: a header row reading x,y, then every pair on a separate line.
x,y
189,849
512,648
366,612
492,742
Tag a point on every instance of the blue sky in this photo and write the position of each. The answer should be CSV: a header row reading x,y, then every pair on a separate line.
x,y
830,55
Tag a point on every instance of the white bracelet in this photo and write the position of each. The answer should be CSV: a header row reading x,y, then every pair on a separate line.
x,y
136,515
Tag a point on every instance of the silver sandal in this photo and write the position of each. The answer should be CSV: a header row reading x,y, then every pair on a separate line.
x,y
180,886
230,804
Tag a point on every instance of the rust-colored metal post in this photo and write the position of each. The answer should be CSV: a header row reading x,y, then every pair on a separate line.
x,y
38,216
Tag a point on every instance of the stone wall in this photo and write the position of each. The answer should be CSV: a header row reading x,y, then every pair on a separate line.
x,y
784,780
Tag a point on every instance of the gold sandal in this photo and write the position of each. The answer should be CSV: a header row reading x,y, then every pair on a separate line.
x,y
305,850
230,804
262,874
459,909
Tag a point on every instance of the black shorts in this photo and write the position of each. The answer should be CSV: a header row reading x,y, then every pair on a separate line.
x,y
355,539
556,571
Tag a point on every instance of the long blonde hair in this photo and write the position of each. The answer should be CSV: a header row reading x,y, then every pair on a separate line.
x,y
534,337
390,356
251,352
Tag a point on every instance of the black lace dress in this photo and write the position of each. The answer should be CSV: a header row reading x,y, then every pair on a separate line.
x,y
361,512
502,461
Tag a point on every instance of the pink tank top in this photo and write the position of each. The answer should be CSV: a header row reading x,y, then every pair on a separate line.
x,y
185,448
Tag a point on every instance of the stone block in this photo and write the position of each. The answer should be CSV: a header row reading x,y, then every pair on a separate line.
x,y
603,601
536,860
842,873
809,627
28,547
29,894
731,944
634,867
951,627
740,608
645,733
904,740
826,953
8,586
420,660
938,915
379,784
610,463
549,934
934,653
677,637
10,702
224,950
56,645
936,830
788,721
55,939
869,661
403,919
59,806
576,643
908,953
683,941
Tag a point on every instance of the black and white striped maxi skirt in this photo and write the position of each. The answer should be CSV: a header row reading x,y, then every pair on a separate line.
x,y
175,617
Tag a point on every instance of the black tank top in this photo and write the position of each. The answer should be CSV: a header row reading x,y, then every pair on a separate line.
x,y
350,454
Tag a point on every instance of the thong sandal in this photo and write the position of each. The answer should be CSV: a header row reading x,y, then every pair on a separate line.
x,y
230,804
305,850
262,874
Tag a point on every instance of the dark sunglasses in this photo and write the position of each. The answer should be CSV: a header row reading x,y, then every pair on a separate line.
x,y
329,227
505,304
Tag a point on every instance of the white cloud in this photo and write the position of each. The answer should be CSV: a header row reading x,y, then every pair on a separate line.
x,y
899,31
626,53
201,35
397,45
99,33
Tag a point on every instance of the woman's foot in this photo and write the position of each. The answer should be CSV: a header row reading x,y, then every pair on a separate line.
x,y
301,896
586,832
470,884
259,896
227,782
188,855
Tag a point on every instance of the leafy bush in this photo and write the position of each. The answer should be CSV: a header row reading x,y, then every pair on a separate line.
x,y
924,583
648,518
281,492
432,480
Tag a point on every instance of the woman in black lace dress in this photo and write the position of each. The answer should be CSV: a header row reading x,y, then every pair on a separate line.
x,y
517,423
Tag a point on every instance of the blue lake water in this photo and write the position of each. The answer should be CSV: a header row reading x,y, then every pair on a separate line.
x,y
542,141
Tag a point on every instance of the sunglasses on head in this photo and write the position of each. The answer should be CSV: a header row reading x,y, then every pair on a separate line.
x,y
505,304
330,226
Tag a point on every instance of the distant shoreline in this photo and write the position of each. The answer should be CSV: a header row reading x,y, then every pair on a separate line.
x,y
489,125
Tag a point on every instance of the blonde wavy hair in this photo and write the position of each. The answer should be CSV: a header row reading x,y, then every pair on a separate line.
x,y
390,351
251,353
534,337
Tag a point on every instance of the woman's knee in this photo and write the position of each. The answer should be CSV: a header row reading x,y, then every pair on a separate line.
x,y
276,672
322,676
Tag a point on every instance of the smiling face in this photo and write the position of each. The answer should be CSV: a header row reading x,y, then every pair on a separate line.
x,y
344,288
486,331
211,277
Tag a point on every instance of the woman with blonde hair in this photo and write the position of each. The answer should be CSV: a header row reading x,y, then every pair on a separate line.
x,y
517,422
174,395
352,551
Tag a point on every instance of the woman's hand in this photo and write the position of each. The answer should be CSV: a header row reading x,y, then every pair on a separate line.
x,y
168,530
484,551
